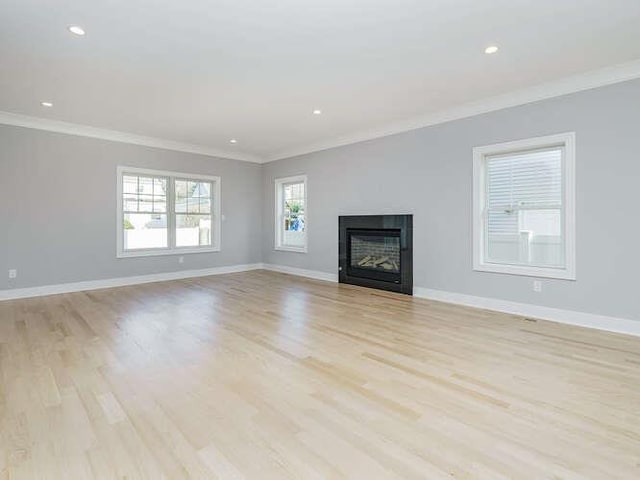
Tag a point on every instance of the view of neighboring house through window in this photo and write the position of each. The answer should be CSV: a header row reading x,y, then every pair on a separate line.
x,y
291,204
193,213
524,208
524,203
144,212
167,212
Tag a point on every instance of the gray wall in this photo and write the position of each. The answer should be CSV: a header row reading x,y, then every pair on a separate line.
x,y
54,184
428,172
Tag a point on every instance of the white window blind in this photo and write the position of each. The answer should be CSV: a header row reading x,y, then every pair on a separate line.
x,y
525,190
524,203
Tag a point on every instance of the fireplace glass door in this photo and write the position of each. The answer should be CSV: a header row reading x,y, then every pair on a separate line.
x,y
374,254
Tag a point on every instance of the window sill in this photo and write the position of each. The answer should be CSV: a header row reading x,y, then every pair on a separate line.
x,y
291,249
521,270
160,252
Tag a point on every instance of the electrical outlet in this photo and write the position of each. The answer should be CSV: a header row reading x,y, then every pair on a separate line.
x,y
13,273
537,286
181,259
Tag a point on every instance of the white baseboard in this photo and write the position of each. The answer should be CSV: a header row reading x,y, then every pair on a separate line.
x,y
12,294
301,272
582,319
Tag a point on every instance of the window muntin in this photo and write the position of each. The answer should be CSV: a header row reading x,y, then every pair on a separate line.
x,y
524,207
291,214
165,212
193,213
144,222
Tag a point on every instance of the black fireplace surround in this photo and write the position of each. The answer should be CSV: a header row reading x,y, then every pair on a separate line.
x,y
376,251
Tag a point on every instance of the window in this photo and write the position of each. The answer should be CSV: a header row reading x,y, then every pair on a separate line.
x,y
524,207
291,214
163,213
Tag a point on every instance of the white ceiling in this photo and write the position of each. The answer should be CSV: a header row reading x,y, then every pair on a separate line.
x,y
202,72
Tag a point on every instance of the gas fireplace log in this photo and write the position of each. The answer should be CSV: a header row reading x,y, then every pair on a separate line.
x,y
380,260
364,261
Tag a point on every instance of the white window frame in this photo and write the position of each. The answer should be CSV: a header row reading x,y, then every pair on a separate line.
x,y
172,249
279,213
567,141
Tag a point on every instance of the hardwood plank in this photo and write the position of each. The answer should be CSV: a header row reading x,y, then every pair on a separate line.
x,y
262,375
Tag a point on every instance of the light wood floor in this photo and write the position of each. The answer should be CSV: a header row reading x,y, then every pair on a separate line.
x,y
266,376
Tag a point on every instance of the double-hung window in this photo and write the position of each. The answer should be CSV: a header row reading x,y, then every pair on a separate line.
x,y
291,214
162,212
524,212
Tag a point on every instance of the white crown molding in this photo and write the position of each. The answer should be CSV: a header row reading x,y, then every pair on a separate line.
x,y
18,120
16,293
575,83
570,317
567,85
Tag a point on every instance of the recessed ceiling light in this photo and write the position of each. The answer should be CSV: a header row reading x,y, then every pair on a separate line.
x,y
77,30
317,111
491,49
46,104
233,140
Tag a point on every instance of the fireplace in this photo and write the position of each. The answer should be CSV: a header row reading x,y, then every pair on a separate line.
x,y
377,251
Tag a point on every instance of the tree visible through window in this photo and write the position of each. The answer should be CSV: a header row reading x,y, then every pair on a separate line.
x,y
291,213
